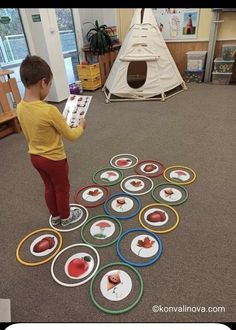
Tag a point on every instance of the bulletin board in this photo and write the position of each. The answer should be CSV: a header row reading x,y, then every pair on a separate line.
x,y
177,23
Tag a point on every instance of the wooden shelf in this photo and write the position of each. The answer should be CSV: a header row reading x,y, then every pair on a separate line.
x,y
8,118
105,60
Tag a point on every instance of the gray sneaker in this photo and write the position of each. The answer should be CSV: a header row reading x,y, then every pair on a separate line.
x,y
75,215
56,221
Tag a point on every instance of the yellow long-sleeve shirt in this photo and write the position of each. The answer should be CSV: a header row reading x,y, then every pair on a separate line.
x,y
44,126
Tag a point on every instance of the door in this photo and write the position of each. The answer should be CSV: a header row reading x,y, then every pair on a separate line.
x,y
68,42
13,44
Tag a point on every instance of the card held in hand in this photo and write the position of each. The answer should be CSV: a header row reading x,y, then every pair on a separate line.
x,y
76,107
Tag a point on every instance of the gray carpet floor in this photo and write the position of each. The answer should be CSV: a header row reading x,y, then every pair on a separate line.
x,y
195,128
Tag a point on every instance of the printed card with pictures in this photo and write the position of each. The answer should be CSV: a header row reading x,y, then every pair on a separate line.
x,y
76,107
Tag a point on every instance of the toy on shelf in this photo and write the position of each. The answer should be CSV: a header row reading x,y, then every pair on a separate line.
x,y
76,88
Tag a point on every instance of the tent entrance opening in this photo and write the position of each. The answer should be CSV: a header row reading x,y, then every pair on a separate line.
x,y
137,74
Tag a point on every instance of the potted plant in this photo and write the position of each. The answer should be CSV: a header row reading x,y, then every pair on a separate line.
x,y
99,39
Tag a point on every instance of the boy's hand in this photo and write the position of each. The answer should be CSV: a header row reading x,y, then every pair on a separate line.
x,y
83,123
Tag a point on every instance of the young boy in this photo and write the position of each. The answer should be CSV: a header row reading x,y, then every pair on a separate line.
x,y
44,126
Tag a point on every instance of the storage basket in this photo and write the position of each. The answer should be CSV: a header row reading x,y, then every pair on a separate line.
x,y
220,78
196,59
91,84
89,70
223,66
194,76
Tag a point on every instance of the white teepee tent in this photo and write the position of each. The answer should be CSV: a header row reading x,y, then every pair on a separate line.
x,y
144,68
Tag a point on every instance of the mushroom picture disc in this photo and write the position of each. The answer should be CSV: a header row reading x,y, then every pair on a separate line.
x,y
179,174
107,176
124,161
101,231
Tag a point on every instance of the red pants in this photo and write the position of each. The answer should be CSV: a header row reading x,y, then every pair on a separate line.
x,y
57,187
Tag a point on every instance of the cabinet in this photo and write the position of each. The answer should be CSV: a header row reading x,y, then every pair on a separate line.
x,y
105,61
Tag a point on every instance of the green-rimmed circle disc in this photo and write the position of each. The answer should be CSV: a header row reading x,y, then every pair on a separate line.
x,y
169,193
104,228
131,305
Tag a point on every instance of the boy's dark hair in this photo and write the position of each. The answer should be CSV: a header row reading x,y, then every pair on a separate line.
x,y
34,68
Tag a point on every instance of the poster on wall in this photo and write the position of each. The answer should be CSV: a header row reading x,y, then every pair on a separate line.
x,y
177,23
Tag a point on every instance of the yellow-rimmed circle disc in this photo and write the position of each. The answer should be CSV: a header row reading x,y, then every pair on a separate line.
x,y
178,182
26,263
154,230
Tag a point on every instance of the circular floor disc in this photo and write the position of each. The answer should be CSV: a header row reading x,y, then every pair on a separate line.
x,y
179,174
101,231
150,168
169,193
75,265
76,223
116,288
124,161
108,176
136,185
159,218
92,195
39,247
122,206
139,247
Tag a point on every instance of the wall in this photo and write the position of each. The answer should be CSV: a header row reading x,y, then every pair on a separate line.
x,y
124,17
44,41
109,16
227,29
179,50
106,16
86,15
226,35
204,24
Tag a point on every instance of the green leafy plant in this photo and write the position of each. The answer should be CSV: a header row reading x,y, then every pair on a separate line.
x,y
99,39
